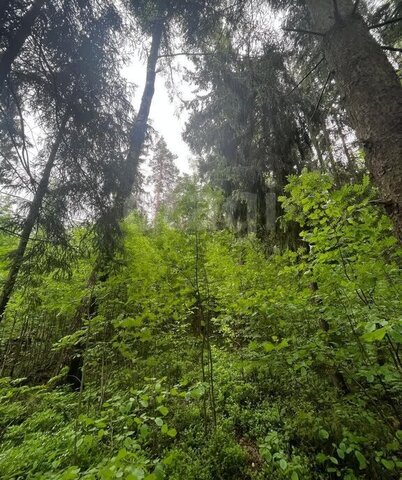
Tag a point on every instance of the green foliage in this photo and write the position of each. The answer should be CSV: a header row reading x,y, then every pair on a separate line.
x,y
303,351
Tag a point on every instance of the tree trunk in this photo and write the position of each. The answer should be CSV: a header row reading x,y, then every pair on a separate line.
x,y
17,41
371,91
139,130
314,133
30,221
138,134
328,148
4,4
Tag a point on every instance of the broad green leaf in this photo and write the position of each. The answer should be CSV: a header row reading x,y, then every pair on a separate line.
x,y
375,335
159,421
388,464
361,459
323,434
268,347
163,410
283,464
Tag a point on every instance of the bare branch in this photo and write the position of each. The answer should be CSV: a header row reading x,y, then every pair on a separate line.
x,y
187,54
322,94
391,49
203,54
24,158
337,15
300,30
307,75
387,22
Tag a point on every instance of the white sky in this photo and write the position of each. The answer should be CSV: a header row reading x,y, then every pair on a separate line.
x,y
165,116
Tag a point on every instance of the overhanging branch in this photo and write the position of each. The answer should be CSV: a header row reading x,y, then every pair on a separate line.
x,y
186,54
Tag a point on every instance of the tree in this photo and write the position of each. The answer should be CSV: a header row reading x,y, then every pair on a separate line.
x,y
370,89
155,18
29,223
258,132
17,38
164,174
195,19
85,115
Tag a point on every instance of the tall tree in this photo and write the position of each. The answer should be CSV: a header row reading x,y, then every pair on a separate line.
x,y
139,130
31,219
258,129
84,114
195,19
370,89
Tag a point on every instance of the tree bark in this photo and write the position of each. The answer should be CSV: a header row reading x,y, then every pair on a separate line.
x,y
30,221
371,91
4,4
17,41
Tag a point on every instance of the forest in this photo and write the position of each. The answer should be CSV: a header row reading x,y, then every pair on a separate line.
x,y
235,314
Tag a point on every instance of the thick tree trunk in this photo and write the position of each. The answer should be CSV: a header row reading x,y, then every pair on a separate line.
x,y
18,39
30,221
371,91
